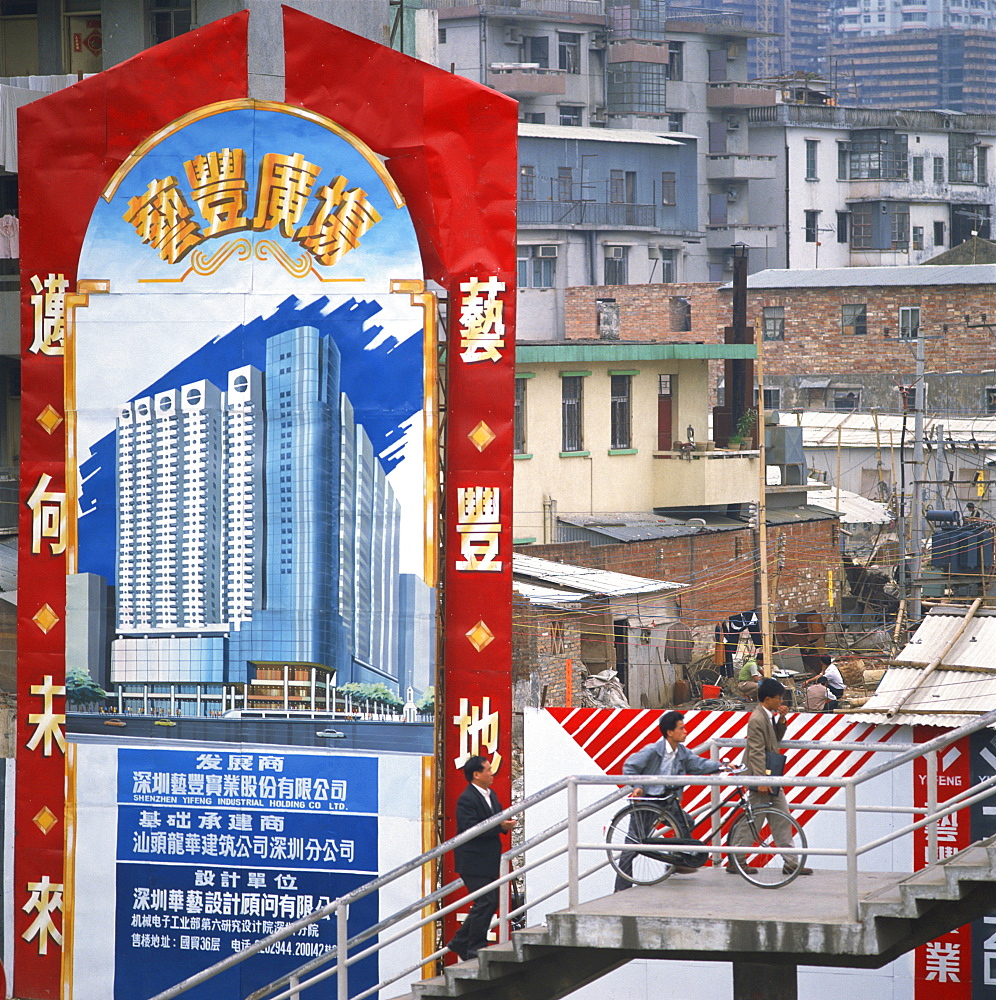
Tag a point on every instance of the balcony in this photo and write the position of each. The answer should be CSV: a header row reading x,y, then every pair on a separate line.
x,y
526,80
634,51
722,237
734,167
708,477
586,214
738,95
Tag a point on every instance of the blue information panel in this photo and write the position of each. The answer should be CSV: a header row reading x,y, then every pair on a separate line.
x,y
217,849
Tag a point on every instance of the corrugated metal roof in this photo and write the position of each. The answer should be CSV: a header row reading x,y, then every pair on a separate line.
x,y
630,527
544,595
852,507
584,579
857,430
973,649
872,277
949,696
597,135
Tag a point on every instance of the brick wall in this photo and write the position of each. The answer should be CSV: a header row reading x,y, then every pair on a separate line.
x,y
813,341
718,569
543,640
648,312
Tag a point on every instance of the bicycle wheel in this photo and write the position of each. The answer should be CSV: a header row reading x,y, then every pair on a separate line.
x,y
642,824
771,871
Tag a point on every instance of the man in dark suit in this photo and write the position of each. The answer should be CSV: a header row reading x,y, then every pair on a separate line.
x,y
478,861
765,729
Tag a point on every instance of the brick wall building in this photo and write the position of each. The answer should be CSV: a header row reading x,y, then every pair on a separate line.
x,y
834,338
718,569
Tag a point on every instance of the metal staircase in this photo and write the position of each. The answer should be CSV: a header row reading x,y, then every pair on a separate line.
x,y
839,917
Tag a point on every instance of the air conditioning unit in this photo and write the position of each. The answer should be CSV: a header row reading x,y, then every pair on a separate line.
x,y
616,253
598,114
654,253
733,51
732,124
598,42
732,194
513,36
546,251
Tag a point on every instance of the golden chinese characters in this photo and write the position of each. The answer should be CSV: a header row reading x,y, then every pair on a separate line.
x,y
219,188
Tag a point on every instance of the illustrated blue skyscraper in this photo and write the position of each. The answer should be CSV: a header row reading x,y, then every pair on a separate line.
x,y
256,527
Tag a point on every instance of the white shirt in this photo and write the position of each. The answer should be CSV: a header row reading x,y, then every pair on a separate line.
x,y
833,675
486,792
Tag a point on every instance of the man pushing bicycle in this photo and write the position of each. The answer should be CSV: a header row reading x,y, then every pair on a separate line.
x,y
668,756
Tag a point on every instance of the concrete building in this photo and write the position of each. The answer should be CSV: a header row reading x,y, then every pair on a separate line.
x,y
866,187
917,66
605,427
624,67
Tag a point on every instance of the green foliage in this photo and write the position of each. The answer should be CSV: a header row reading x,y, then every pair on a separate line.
x,y
427,703
746,424
82,689
378,693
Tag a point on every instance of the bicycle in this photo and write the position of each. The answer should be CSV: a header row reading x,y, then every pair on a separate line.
x,y
660,825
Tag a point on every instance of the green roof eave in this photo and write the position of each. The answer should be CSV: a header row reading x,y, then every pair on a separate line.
x,y
569,352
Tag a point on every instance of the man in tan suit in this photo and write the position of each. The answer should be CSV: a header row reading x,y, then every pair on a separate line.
x,y
764,732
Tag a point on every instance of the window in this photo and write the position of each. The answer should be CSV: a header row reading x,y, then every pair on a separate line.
x,y
676,121
938,234
675,61
527,183
616,266
849,399
669,270
537,266
169,19
842,227
442,36
917,238
899,227
981,164
938,169
617,187
918,168
909,322
669,193
812,147
519,417
620,411
961,157
565,183
812,226
854,319
772,399
534,117
569,52
773,322
607,319
570,114
843,153
571,388
536,49
991,399
878,154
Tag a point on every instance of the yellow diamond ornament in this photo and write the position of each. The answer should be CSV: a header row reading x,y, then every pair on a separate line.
x,y
480,636
45,819
49,418
45,618
481,436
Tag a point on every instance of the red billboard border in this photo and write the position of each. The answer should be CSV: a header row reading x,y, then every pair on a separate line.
x,y
451,146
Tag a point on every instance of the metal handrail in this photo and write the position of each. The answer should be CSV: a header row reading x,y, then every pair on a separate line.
x,y
295,982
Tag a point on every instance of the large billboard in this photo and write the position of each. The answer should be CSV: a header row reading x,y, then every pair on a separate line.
x,y
238,490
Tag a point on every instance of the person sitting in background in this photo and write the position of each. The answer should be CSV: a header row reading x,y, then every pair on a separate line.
x,y
832,679
750,676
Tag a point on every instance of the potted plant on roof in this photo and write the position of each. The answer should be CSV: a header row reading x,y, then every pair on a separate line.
x,y
743,434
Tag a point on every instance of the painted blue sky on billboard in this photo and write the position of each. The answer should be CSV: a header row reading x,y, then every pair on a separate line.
x,y
209,324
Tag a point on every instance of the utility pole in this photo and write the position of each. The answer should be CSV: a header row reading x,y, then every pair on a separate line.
x,y
919,475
